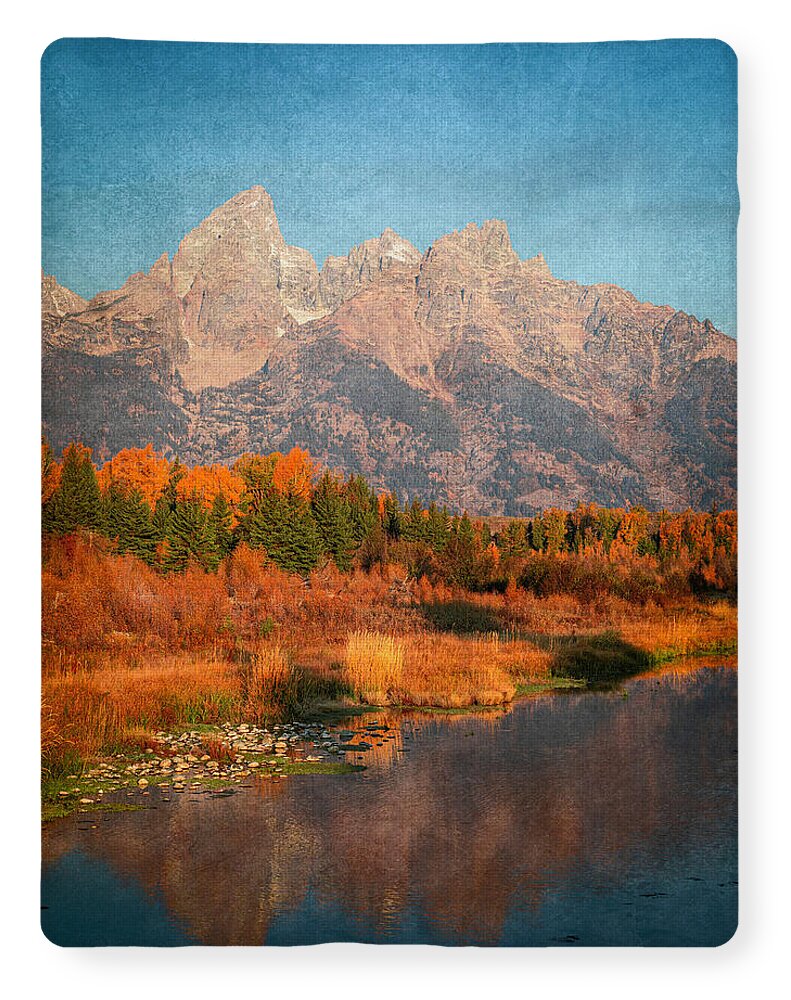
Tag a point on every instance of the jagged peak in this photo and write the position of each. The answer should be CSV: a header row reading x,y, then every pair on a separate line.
x,y
250,197
161,270
392,245
537,266
389,246
248,219
488,244
57,299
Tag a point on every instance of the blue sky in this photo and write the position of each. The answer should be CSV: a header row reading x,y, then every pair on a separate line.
x,y
616,160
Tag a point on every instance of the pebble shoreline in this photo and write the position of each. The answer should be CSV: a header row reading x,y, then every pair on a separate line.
x,y
181,761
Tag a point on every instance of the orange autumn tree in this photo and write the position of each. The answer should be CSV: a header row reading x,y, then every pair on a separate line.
x,y
207,482
293,474
50,473
140,469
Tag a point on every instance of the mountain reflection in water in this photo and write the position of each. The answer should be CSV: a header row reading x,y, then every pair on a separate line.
x,y
579,818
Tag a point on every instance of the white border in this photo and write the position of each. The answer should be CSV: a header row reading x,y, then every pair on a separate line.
x,y
753,960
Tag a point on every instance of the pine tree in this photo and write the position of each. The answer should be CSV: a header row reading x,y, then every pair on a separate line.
x,y
332,514
219,526
514,539
391,517
163,516
437,527
110,506
188,537
537,540
460,553
362,507
285,527
77,500
414,525
136,533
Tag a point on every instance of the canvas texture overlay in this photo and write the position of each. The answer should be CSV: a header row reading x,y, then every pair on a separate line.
x,y
389,533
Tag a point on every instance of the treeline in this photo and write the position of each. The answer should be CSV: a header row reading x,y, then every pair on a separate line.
x,y
171,516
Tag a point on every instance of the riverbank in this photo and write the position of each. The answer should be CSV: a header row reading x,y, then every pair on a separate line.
x,y
210,758
188,722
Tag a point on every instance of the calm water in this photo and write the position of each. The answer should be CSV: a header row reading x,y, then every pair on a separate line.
x,y
574,819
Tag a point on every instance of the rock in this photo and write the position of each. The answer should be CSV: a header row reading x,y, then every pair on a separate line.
x,y
142,783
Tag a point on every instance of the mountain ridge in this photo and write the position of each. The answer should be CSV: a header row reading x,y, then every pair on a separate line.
x,y
464,373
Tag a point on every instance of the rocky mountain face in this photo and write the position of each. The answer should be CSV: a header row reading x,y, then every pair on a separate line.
x,y
463,374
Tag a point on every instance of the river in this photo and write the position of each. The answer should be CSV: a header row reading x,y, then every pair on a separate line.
x,y
575,818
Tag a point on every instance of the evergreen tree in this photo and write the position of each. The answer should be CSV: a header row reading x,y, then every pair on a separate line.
x,y
514,539
219,527
391,517
77,501
163,515
437,527
414,525
136,532
188,537
286,528
332,514
460,553
537,540
110,506
362,507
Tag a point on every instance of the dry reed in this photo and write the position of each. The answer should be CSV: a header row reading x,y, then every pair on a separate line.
x,y
373,664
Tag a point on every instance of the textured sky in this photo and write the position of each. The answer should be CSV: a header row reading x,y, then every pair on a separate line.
x,y
616,160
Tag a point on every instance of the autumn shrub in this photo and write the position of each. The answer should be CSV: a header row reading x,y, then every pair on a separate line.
x,y
217,749
463,616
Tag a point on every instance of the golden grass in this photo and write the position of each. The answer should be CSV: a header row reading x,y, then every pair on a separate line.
x,y
268,683
128,652
374,664
87,711
685,631
441,670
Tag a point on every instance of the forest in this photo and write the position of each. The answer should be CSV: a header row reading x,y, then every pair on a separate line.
x,y
301,517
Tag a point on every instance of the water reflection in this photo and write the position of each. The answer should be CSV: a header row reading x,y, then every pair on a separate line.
x,y
580,818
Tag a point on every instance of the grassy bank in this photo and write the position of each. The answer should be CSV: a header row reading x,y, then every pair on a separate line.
x,y
108,701
129,652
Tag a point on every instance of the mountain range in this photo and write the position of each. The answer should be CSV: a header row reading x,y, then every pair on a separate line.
x,y
463,374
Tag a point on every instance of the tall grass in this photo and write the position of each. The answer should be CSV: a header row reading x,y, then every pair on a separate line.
x,y
449,671
374,664
88,711
269,684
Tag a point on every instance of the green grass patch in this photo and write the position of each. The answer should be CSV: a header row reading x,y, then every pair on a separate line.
x,y
721,647
332,713
552,684
600,659
320,767
450,710
202,728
